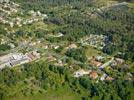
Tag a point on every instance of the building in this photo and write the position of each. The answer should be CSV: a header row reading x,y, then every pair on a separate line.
x,y
14,59
80,73
93,75
33,55
51,58
103,77
108,78
119,61
72,46
60,34
99,58
4,1
19,62
95,63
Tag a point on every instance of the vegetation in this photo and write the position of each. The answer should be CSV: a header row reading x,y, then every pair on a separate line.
x,y
116,23
38,79
77,54
75,19
4,47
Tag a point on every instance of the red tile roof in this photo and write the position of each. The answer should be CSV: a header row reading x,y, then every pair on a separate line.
x,y
93,75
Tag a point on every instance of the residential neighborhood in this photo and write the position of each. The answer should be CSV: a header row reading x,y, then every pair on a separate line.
x,y
66,50
97,63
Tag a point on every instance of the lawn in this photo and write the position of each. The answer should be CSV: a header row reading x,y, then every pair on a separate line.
x,y
28,90
91,51
62,93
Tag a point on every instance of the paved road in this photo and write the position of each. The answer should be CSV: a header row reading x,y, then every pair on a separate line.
x,y
106,64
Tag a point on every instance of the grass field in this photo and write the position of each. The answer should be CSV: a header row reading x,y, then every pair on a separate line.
x,y
92,52
62,93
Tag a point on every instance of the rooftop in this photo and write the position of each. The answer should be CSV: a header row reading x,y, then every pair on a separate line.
x,y
93,75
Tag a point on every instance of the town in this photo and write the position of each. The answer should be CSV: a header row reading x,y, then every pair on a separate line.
x,y
96,63
78,48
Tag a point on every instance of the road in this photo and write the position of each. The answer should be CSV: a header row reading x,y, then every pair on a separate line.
x,y
106,64
21,46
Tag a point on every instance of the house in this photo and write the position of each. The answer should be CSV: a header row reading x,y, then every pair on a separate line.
x,y
3,41
129,76
99,58
36,54
32,43
93,75
51,58
11,45
103,77
39,13
80,73
71,46
60,34
33,13
46,47
44,15
59,63
95,63
33,55
56,47
108,78
119,61
11,24
113,64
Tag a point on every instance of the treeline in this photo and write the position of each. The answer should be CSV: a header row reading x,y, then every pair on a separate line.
x,y
43,4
